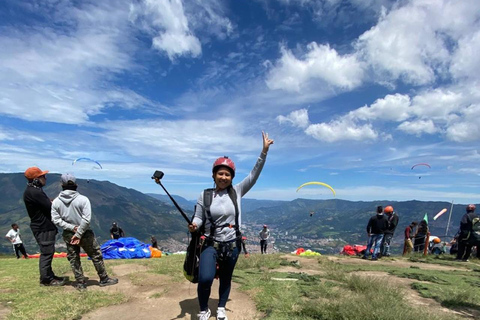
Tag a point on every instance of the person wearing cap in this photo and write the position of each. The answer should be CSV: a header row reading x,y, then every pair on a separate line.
x,y
116,232
39,206
72,212
392,218
264,235
221,229
467,239
409,235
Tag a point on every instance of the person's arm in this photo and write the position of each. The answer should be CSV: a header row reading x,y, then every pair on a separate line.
x,y
57,219
246,184
369,227
86,218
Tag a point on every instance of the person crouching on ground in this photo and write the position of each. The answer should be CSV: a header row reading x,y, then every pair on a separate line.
x,y
376,227
221,230
72,212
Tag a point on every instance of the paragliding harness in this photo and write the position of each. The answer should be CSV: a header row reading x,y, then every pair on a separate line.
x,y
199,241
224,249
474,235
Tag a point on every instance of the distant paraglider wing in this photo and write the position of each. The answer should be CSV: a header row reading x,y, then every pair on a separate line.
x,y
87,160
421,164
317,183
440,213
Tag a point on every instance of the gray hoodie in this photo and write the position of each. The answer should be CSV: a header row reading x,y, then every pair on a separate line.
x,y
69,210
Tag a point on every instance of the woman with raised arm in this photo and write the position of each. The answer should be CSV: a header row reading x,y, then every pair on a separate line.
x,y
218,210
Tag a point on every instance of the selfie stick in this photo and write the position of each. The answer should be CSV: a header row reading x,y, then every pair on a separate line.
x,y
157,178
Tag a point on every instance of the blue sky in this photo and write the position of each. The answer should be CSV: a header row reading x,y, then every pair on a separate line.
x,y
353,92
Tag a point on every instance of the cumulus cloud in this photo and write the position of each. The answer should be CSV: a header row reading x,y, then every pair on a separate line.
x,y
466,60
467,128
393,108
298,118
320,63
339,130
418,127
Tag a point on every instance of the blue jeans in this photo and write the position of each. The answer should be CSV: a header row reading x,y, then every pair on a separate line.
x,y
387,239
206,275
375,240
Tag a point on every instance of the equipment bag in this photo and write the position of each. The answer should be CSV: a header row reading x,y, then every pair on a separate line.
x,y
475,233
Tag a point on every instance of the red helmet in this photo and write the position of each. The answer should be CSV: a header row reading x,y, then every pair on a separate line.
x,y
471,207
388,209
264,225
226,162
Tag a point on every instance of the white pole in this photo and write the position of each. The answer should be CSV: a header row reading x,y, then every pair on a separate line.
x,y
449,216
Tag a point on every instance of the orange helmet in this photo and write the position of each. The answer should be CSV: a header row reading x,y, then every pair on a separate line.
x,y
388,209
436,240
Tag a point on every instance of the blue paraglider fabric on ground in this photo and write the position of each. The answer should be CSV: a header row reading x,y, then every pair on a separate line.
x,y
125,248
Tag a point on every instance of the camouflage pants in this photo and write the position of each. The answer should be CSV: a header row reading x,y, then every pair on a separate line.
x,y
90,245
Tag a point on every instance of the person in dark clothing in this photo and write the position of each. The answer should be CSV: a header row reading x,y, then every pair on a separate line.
x,y
116,232
408,246
467,238
154,242
38,206
392,218
376,227
419,242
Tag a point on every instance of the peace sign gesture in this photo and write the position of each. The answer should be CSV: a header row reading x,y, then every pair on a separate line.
x,y
266,142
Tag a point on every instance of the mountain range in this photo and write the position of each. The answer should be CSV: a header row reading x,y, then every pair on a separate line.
x,y
291,222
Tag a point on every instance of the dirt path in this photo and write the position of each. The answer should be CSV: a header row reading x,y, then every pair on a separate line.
x,y
152,296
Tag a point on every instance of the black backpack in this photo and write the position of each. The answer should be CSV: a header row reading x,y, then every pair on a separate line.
x,y
194,249
474,235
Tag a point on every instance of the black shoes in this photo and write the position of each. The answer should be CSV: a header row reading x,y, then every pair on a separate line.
x,y
80,286
108,282
53,283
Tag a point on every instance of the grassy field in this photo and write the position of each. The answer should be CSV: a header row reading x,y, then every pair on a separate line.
x,y
316,287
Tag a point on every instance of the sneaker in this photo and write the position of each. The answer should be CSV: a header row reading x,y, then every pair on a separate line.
x,y
204,315
364,257
221,315
65,279
80,286
108,282
374,258
53,283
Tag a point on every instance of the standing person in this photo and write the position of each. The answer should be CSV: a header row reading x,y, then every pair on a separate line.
x,y
72,212
419,242
14,237
116,232
221,245
264,235
392,218
468,237
39,207
408,246
376,227
154,242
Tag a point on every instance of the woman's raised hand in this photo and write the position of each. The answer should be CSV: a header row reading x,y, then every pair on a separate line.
x,y
266,142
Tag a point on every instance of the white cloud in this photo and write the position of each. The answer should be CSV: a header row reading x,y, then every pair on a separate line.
x,y
342,129
298,118
418,127
393,108
467,128
320,63
466,59
63,74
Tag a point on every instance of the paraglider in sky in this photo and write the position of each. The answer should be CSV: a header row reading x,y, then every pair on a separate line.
x,y
317,183
96,164
440,213
311,213
421,164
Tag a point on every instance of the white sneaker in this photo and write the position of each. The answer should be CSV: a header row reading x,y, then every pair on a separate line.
x,y
221,314
204,315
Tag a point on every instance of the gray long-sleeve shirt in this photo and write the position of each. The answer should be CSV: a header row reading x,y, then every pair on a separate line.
x,y
71,209
222,208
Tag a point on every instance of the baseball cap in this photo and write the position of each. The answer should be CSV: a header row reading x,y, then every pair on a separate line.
x,y
68,177
34,172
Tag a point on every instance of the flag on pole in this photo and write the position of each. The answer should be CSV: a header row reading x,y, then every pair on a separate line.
x,y
425,218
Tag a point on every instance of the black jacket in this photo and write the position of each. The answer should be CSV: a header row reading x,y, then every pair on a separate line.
x,y
39,209
377,224
466,224
392,223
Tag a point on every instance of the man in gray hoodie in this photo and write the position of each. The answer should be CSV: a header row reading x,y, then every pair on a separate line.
x,y
72,212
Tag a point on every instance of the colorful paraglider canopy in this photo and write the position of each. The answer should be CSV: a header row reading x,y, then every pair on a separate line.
x,y
317,183
96,164
421,164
